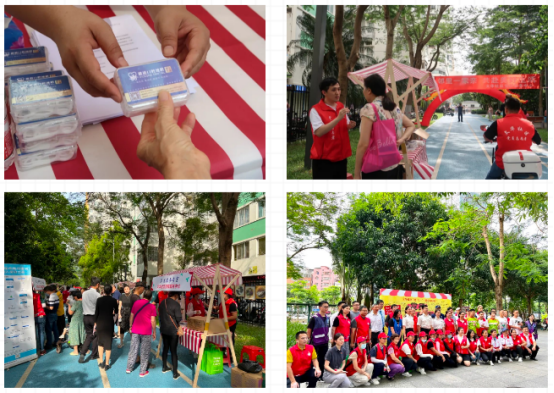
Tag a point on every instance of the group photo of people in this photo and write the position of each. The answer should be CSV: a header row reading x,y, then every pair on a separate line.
x,y
357,347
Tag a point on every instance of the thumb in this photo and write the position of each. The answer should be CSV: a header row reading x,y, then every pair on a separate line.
x,y
189,123
165,109
107,41
167,35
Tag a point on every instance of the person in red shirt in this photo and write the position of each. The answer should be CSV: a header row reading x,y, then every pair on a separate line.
x,y
424,356
449,323
511,133
461,343
518,344
342,324
302,364
485,347
330,124
231,310
358,369
195,307
439,360
462,322
40,321
360,327
529,347
473,341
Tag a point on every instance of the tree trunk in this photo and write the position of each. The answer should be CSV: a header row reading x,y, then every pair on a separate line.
x,y
161,244
541,84
372,295
390,24
226,218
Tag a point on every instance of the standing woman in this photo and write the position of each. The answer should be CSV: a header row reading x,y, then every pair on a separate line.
x,y
532,326
374,93
342,324
40,320
462,322
106,308
395,325
490,113
502,322
77,333
408,320
170,319
462,347
438,323
124,313
335,361
449,323
516,322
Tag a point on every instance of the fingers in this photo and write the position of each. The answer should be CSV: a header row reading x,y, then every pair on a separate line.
x,y
188,124
167,32
90,70
198,43
165,110
106,39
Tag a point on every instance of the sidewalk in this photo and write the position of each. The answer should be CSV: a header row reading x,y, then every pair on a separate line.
x,y
63,371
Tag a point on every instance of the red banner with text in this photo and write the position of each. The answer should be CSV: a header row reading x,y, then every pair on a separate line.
x,y
481,82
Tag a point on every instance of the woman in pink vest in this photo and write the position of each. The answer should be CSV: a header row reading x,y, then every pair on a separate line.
x,y
375,94
330,124
393,358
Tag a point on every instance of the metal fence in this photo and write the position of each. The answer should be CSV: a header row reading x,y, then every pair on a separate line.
x,y
302,312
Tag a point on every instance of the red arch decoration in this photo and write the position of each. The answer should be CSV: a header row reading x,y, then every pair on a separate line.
x,y
499,95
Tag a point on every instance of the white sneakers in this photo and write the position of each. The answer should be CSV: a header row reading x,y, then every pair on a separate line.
x,y
499,361
492,364
478,363
375,381
520,360
407,374
510,360
421,371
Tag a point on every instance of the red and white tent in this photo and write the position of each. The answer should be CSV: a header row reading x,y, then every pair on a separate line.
x,y
400,72
207,274
426,295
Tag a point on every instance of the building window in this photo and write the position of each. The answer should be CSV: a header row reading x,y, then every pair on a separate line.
x,y
152,253
242,217
261,208
261,246
242,250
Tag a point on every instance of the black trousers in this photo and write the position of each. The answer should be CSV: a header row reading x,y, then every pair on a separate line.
x,y
393,174
527,354
61,326
232,329
426,363
68,315
170,344
438,363
308,376
408,363
426,331
325,169
495,356
486,356
460,117
91,338
378,369
321,351
374,339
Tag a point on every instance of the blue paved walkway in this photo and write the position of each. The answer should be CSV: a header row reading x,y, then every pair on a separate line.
x,y
465,153
62,370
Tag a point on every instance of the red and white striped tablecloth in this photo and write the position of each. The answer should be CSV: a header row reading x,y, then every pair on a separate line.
x,y
229,105
419,161
192,339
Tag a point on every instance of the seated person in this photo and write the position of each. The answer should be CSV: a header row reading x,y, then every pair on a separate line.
x,y
511,133
530,347
302,364
358,369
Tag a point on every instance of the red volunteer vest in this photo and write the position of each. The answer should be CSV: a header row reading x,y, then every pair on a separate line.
x,y
519,341
485,343
473,345
227,305
344,327
301,360
359,362
396,353
411,346
362,325
199,306
480,329
463,324
335,145
449,326
524,340
459,344
514,133
381,352
441,345
424,348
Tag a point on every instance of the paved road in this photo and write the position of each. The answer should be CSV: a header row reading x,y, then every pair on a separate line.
x,y
63,371
465,155
527,374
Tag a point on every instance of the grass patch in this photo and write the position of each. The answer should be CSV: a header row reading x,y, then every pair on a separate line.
x,y
295,157
543,132
292,329
494,117
249,335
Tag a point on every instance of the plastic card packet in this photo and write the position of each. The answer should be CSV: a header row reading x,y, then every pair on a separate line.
x,y
44,129
40,99
26,161
50,143
25,61
139,85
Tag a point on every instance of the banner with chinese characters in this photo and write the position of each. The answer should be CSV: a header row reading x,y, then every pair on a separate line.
x,y
178,282
20,342
414,298
480,82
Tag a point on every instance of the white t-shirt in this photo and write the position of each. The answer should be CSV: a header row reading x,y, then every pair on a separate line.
x,y
408,321
316,121
502,324
515,323
438,323
406,349
425,322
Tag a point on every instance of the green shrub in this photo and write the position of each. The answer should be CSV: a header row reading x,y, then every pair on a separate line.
x,y
479,112
292,329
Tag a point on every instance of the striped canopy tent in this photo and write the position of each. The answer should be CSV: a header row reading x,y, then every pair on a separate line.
x,y
392,72
426,295
204,275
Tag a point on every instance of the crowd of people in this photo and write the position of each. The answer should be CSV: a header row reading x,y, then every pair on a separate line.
x,y
356,346
101,314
